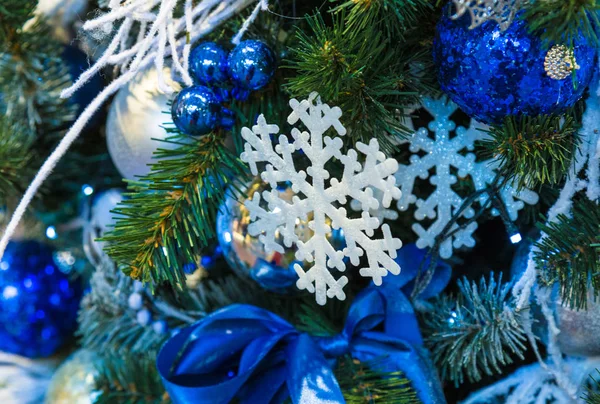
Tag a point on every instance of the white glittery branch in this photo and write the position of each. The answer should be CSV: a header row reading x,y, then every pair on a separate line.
x,y
533,384
156,29
501,11
443,153
322,196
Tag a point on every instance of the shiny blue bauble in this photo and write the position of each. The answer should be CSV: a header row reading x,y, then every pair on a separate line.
x,y
492,73
251,66
208,64
197,111
38,303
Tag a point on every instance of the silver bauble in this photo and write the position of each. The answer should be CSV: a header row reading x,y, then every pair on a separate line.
x,y
246,254
99,222
579,329
135,118
75,380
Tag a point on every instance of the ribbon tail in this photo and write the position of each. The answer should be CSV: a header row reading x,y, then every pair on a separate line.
x,y
310,379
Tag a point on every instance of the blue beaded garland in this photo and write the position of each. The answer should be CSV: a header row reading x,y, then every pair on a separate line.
x,y
197,110
38,303
208,64
251,65
492,73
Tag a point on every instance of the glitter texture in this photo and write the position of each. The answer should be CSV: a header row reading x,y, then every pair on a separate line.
x,y
38,303
560,62
492,73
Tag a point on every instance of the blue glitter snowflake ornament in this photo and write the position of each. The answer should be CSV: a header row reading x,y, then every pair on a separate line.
x,y
492,73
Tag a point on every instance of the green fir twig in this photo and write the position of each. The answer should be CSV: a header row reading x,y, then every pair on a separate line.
x,y
475,332
567,255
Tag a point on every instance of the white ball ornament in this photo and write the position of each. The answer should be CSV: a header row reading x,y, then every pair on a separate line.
x,y
134,122
99,222
62,14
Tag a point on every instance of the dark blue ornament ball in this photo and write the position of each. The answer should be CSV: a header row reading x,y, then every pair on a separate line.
x,y
38,303
208,64
491,73
77,62
197,110
251,65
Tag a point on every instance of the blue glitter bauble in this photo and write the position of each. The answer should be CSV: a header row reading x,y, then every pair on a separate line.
x,y
492,73
208,64
197,110
38,303
251,66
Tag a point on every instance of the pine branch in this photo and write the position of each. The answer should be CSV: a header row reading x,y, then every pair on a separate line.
x,y
474,332
32,75
562,21
393,17
362,382
357,72
15,159
592,394
568,256
534,151
169,216
129,379
13,14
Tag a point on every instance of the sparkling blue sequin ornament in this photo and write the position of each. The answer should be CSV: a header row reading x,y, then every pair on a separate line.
x,y
492,73
197,110
251,65
246,254
38,303
208,64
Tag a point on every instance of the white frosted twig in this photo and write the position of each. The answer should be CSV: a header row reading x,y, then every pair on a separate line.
x,y
149,48
263,5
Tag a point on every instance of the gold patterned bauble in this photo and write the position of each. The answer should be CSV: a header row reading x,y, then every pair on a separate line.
x,y
560,62
75,380
246,254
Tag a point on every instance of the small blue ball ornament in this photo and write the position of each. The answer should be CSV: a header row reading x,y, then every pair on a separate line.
x,y
251,65
38,302
197,110
492,73
208,64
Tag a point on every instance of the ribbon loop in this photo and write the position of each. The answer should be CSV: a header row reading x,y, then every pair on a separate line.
x,y
334,346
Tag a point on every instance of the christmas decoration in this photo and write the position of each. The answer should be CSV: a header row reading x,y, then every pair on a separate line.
x,y
446,154
77,62
196,111
99,221
560,62
251,65
321,198
480,11
24,380
134,124
492,73
291,363
247,255
38,303
75,380
62,14
208,64
534,384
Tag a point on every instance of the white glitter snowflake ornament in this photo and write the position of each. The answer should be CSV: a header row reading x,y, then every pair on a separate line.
x,y
448,155
319,198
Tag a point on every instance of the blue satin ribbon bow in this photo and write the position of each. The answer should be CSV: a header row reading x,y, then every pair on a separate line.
x,y
254,355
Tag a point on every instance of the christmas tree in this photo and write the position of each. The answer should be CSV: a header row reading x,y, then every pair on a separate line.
x,y
362,201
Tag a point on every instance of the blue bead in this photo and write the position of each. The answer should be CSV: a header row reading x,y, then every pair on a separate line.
x,y
197,111
251,66
208,64
38,302
492,73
